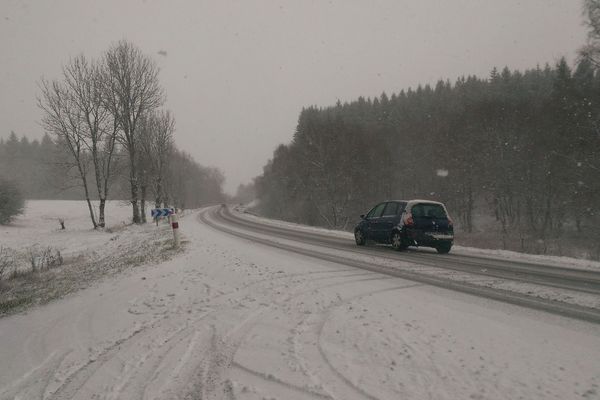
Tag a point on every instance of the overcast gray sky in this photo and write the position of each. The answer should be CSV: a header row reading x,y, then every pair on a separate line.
x,y
237,73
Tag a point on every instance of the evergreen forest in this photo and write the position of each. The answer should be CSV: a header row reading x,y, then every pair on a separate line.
x,y
514,156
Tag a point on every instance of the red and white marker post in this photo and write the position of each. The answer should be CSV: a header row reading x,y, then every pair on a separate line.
x,y
175,225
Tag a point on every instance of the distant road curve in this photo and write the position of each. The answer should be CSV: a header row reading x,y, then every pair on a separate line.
x,y
222,219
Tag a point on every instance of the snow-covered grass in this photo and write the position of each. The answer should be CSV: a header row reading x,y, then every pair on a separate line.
x,y
557,261
86,254
40,224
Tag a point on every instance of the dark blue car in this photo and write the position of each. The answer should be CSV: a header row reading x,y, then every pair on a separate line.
x,y
404,223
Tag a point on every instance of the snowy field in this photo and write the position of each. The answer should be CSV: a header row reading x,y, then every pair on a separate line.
x,y
39,225
87,254
232,319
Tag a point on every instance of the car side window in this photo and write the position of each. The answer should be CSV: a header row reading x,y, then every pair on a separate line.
x,y
401,208
391,209
376,211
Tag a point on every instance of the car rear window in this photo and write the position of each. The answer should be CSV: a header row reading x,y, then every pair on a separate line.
x,y
428,211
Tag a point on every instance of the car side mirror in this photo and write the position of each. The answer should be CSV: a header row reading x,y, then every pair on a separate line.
x,y
362,216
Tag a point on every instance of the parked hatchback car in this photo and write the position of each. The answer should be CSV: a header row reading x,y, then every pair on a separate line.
x,y
404,223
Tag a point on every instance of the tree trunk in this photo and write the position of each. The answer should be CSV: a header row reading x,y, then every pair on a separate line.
x,y
134,188
159,189
143,204
89,203
101,222
134,206
87,196
470,207
98,176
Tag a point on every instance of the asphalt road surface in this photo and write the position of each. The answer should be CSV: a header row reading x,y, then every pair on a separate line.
x,y
538,275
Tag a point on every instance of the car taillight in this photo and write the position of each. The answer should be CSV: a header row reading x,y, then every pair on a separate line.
x,y
408,220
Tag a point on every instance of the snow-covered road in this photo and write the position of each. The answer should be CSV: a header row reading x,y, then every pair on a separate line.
x,y
231,319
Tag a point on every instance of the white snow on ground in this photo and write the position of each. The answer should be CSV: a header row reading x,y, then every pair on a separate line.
x,y
39,226
230,319
544,292
566,262
88,254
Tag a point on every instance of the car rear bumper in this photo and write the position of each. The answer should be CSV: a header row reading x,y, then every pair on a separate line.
x,y
429,239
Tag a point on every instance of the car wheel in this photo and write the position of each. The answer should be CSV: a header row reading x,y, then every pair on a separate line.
x,y
359,237
443,248
397,242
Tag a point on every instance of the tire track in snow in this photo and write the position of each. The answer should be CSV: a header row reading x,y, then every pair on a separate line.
x,y
284,301
219,356
77,379
273,379
74,382
214,358
28,387
133,385
551,305
221,353
309,331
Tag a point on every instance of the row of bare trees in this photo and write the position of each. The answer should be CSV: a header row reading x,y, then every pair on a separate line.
x,y
154,154
44,169
108,106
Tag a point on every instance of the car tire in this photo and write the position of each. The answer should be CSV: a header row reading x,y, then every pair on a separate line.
x,y
359,237
443,248
397,242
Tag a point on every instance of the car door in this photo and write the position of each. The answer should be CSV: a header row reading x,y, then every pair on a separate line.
x,y
372,221
387,221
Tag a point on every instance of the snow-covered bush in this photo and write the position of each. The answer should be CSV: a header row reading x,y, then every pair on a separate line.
x,y
43,258
11,201
7,261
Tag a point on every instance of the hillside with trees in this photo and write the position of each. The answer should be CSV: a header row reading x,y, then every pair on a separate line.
x,y
518,148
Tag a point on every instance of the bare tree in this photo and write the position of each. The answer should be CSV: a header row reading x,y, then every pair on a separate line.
x,y
132,90
83,79
591,50
156,149
63,119
75,113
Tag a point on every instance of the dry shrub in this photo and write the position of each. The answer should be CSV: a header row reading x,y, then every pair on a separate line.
x,y
43,258
7,261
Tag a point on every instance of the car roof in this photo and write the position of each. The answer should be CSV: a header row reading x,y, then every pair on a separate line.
x,y
411,202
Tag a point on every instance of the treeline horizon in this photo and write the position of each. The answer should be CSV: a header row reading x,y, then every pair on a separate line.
x,y
41,171
106,115
519,147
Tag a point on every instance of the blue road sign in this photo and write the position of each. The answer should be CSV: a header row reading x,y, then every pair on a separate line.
x,y
161,212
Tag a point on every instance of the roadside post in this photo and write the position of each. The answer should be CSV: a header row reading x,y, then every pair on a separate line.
x,y
175,226
156,213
